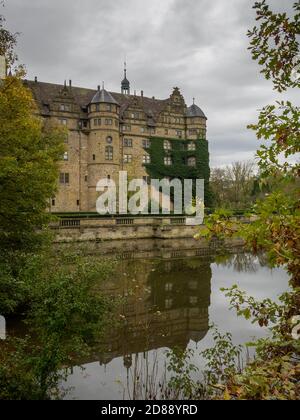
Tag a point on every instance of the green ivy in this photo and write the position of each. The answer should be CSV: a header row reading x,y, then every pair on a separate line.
x,y
179,168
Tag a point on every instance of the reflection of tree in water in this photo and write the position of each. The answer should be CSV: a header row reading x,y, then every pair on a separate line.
x,y
164,304
243,261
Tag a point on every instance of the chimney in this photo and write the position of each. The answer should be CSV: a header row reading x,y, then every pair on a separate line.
x,y
70,83
142,93
98,87
35,79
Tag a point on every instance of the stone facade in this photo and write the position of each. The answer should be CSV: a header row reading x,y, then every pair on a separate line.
x,y
109,132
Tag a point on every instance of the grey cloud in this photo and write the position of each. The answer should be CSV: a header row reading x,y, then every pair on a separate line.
x,y
198,45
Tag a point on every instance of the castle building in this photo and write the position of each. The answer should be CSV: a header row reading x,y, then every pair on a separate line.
x,y
109,132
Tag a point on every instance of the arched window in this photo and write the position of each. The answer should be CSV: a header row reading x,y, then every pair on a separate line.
x,y
109,153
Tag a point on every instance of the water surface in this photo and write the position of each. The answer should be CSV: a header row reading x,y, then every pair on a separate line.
x,y
170,296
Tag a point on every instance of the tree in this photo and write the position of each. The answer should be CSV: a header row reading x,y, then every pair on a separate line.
x,y
275,372
30,152
232,186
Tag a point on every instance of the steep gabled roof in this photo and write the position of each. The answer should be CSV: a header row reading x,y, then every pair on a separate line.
x,y
45,93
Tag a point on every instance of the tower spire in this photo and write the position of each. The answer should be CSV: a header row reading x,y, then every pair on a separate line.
x,y
125,85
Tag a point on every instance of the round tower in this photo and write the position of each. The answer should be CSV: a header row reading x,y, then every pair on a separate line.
x,y
196,122
103,142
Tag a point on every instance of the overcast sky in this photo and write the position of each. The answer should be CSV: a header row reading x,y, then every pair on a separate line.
x,y
198,45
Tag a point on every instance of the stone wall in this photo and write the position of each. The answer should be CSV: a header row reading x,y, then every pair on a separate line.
x,y
107,229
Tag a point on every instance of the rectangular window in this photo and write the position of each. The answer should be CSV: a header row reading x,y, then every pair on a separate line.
x,y
191,161
146,159
108,107
109,153
64,178
135,115
108,121
167,145
64,107
203,133
146,143
127,158
78,202
53,202
126,128
66,156
179,133
168,303
127,142
193,132
191,147
85,178
97,121
94,157
168,161
166,131
63,121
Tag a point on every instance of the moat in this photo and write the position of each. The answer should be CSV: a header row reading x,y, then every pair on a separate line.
x,y
170,296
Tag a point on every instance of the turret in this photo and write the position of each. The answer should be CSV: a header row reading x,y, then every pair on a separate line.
x,y
196,122
104,141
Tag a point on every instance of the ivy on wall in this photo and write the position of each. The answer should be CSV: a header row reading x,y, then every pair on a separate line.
x,y
179,155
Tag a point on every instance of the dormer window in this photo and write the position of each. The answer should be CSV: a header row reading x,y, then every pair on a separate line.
x,y
135,115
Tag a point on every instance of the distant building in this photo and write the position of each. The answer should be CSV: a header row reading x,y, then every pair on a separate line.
x,y
109,132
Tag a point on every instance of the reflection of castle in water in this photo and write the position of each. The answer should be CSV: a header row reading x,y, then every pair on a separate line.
x,y
165,304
